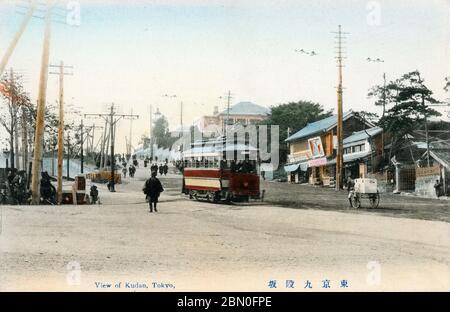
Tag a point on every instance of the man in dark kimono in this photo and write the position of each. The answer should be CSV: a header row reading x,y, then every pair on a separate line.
x,y
152,190
154,168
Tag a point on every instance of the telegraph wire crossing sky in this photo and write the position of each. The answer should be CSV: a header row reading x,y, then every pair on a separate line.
x,y
133,53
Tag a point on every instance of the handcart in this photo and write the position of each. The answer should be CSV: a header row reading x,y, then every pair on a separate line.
x,y
365,189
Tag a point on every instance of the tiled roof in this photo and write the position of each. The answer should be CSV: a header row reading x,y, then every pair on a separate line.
x,y
362,135
246,108
317,127
442,156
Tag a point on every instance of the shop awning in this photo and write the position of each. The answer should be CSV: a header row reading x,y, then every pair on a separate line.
x,y
355,156
291,168
295,167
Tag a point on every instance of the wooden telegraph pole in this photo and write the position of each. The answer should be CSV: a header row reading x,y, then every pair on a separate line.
x,y
227,119
42,98
61,75
181,120
129,144
340,131
228,111
68,157
151,133
12,104
111,119
81,148
13,44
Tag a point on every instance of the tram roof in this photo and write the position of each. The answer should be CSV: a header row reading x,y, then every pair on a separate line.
x,y
217,149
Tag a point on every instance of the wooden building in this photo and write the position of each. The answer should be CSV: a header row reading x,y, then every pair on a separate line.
x,y
312,150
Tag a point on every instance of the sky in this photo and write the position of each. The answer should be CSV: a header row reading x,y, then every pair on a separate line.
x,y
133,52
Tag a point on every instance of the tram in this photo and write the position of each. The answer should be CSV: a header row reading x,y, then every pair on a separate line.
x,y
217,170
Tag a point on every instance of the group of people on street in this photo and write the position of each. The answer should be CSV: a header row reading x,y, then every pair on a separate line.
x,y
14,189
131,170
163,169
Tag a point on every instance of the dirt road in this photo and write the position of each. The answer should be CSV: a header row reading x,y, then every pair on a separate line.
x,y
200,246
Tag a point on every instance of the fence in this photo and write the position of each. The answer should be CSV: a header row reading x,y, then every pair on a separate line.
x,y
426,179
385,181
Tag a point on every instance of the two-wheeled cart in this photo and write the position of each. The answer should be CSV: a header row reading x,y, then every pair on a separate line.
x,y
365,189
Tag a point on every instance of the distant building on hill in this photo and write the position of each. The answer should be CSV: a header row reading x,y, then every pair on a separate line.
x,y
243,113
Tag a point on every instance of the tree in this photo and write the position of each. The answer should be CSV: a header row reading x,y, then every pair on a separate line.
x,y
367,116
161,133
447,83
411,99
293,116
383,95
13,114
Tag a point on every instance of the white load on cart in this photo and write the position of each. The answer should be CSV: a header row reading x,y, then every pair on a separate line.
x,y
365,188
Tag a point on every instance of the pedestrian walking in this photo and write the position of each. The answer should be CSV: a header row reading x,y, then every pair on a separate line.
x,y
350,189
152,189
132,170
165,169
154,168
161,169
94,194
124,172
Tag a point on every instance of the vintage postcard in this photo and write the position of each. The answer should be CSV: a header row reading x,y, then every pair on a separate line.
x,y
224,145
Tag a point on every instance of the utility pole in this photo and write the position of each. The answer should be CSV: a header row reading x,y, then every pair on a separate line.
x,y
91,148
102,147
181,118
112,118
82,151
384,94
226,121
151,133
384,112
12,137
53,158
129,142
228,111
24,140
112,162
39,136
427,138
16,38
340,130
16,121
105,158
68,156
88,137
61,75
